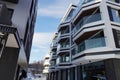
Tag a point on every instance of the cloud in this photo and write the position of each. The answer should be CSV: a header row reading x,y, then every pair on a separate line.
x,y
57,9
40,46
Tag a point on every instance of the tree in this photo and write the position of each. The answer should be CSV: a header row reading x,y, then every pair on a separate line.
x,y
37,67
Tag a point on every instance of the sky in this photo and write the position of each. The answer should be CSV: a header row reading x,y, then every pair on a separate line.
x,y
49,15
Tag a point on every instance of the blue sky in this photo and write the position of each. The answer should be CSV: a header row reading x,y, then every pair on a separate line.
x,y
48,19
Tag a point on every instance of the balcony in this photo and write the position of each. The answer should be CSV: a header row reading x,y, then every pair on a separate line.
x,y
54,45
52,64
89,44
46,70
86,20
46,62
63,33
63,46
69,14
53,55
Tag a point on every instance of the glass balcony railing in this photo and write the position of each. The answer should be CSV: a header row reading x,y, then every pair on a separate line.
x,y
63,46
52,63
80,5
67,59
53,53
63,59
62,32
116,1
88,44
93,43
86,20
87,1
54,43
58,60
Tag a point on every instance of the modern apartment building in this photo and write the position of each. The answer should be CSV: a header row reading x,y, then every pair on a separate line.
x,y
17,21
88,46
46,66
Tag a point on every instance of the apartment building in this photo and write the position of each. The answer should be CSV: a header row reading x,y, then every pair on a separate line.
x,y
17,21
46,66
62,48
88,42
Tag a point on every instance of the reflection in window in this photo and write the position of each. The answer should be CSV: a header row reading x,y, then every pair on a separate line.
x,y
114,14
94,71
70,15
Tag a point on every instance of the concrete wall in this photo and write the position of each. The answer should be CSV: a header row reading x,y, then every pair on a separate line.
x,y
21,15
112,67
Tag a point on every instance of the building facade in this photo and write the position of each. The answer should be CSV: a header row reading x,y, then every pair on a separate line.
x,y
46,66
88,42
17,21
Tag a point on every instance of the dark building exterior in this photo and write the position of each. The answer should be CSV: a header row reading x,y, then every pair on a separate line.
x,y
17,21
88,42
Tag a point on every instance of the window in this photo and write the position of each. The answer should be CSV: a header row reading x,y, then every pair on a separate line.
x,y
116,34
114,14
94,71
10,12
70,15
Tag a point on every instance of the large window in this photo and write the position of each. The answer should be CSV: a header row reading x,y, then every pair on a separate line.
x,y
93,71
114,14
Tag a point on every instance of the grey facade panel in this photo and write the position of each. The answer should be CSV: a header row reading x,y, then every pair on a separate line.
x,y
112,67
8,63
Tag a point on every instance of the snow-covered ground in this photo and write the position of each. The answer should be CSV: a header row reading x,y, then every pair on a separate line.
x,y
36,77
